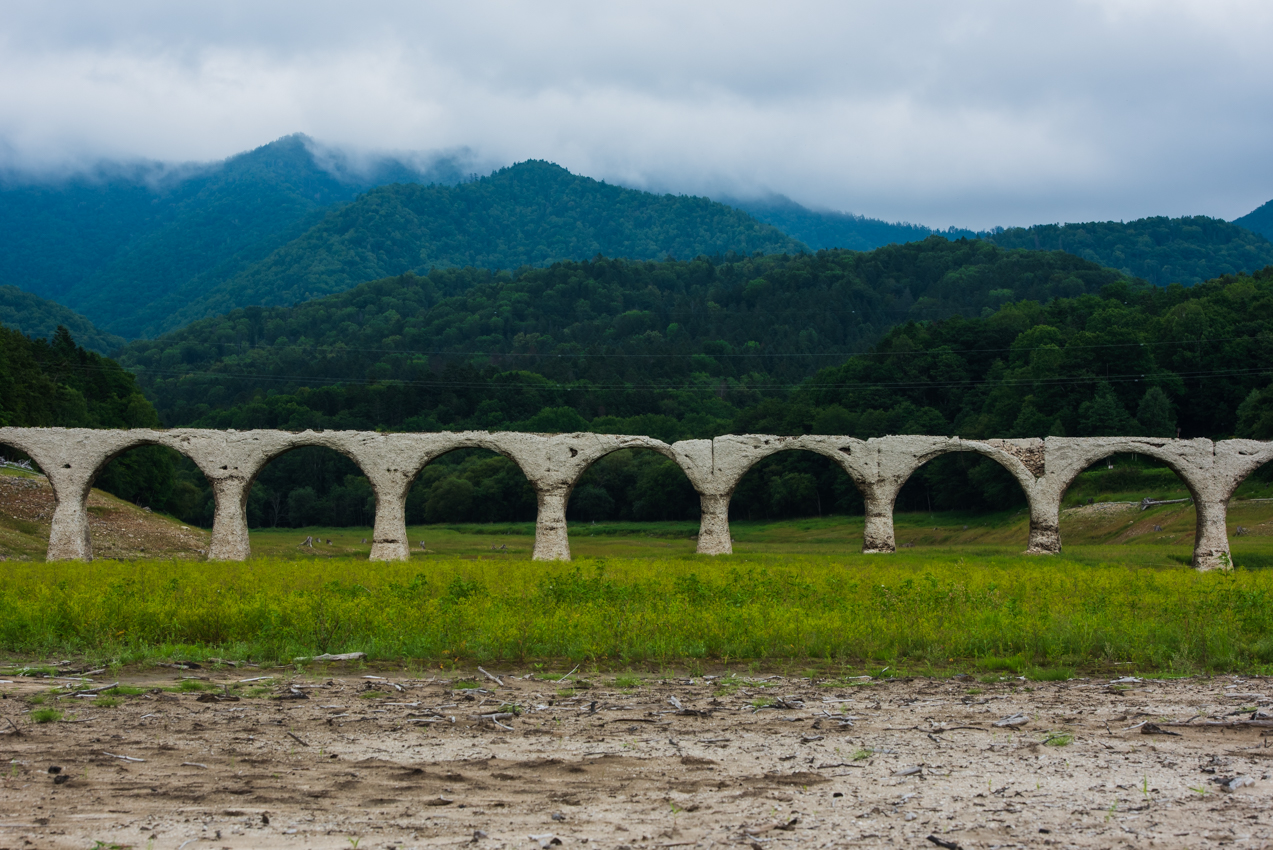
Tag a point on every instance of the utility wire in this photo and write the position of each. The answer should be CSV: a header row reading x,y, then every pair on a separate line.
x,y
569,355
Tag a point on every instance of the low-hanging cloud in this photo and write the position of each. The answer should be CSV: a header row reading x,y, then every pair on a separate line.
x,y
976,114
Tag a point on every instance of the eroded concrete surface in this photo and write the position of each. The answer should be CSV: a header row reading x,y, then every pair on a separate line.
x,y
553,464
389,759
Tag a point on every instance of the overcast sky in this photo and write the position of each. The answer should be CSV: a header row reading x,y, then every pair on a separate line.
x,y
968,113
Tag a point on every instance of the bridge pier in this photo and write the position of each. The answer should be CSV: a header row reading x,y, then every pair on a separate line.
x,y
713,528
72,458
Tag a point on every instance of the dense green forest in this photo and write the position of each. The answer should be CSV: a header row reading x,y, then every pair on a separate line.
x,y
531,214
673,349
467,348
1119,356
125,243
1160,250
38,317
54,382
821,229
1259,220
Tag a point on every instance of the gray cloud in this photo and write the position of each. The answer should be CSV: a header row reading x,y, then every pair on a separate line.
x,y
977,113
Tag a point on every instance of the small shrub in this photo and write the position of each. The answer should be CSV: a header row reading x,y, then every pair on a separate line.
x,y
1050,674
627,682
189,685
46,715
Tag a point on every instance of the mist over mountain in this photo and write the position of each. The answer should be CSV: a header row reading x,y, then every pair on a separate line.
x,y
143,248
530,214
122,243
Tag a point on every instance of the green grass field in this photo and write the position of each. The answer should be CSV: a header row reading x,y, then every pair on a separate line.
x,y
958,596
968,608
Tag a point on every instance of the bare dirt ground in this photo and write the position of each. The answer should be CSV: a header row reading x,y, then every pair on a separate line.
x,y
392,759
119,529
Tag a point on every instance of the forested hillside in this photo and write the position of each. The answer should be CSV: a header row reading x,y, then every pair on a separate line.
x,y
531,214
821,229
1259,220
1121,357
55,382
465,348
123,244
1161,250
37,317
674,349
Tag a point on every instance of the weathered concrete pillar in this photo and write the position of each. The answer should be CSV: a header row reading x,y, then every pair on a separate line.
x,y
69,535
230,460
1211,540
878,538
551,540
713,528
71,458
389,536
229,520
1045,522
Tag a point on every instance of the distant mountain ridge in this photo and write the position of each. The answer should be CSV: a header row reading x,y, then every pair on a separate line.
x,y
1259,220
143,248
825,229
1161,250
124,243
534,213
40,318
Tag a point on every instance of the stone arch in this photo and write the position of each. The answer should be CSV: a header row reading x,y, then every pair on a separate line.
x,y
446,450
899,467
897,459
716,466
155,477
21,478
799,481
557,461
322,449
628,444
1194,461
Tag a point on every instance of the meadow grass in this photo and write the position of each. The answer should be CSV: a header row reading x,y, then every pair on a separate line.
x,y
987,610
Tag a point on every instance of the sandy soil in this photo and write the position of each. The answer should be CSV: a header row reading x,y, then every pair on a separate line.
x,y
398,760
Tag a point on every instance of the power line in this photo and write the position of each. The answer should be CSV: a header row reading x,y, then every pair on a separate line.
x,y
718,385
616,355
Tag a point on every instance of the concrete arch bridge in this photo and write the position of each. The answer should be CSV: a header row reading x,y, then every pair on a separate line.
x,y
553,464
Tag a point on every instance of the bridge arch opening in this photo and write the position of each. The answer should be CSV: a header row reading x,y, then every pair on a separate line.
x,y
632,499
471,501
961,497
793,485
26,505
1130,498
149,501
309,500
